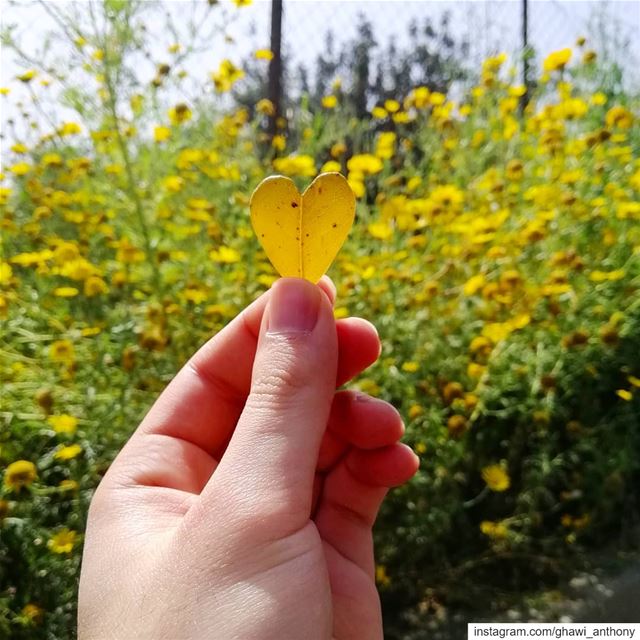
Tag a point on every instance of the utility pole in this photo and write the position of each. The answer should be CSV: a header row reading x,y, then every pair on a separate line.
x,y
525,55
275,66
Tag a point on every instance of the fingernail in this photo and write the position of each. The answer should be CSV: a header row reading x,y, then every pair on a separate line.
x,y
293,306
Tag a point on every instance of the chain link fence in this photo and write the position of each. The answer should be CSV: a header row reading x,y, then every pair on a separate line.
x,y
486,27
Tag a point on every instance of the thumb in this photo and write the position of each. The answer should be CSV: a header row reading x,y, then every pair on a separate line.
x,y
270,463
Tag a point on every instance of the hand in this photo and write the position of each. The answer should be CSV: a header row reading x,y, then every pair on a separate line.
x,y
242,506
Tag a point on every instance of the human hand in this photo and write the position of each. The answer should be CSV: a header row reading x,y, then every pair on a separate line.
x,y
242,506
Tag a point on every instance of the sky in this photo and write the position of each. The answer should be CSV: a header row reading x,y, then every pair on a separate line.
x,y
490,26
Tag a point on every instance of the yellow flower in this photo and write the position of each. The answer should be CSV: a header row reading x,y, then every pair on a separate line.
x,y
295,165
365,163
279,142
127,254
266,107
33,613
557,60
410,366
330,166
225,255
624,394
68,485
415,410
226,76
619,117
263,54
604,276
52,160
385,147
448,197
20,169
391,106
474,284
18,474
456,425
419,98
62,351
63,541
242,3
27,76
63,423
94,285
69,129
68,452
329,102
160,133
173,184
381,576
77,269
380,230
180,113
65,292
496,477
495,530
6,273
379,113
402,117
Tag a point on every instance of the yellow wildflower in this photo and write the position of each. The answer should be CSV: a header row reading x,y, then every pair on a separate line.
x,y
329,102
27,76
63,541
225,255
180,113
295,165
20,169
63,423
365,163
226,76
266,107
18,474
62,351
33,613
619,117
161,133
494,530
557,60
496,477
68,452
94,285
65,292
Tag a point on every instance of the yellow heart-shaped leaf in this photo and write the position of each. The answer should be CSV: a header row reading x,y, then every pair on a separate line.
x,y
302,234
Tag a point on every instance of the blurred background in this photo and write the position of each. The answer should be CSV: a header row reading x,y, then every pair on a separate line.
x,y
494,150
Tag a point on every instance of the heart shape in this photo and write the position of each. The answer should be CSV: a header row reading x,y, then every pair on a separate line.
x,y
302,234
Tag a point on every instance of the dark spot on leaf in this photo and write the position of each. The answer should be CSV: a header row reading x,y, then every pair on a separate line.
x,y
294,204
262,235
307,235
319,189
334,225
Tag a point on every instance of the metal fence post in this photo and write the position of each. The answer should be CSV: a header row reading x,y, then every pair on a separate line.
x,y
525,55
275,66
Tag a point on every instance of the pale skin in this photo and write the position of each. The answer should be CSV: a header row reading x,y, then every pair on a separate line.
x,y
242,506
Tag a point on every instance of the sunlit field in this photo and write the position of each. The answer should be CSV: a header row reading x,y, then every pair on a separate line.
x,y
496,248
